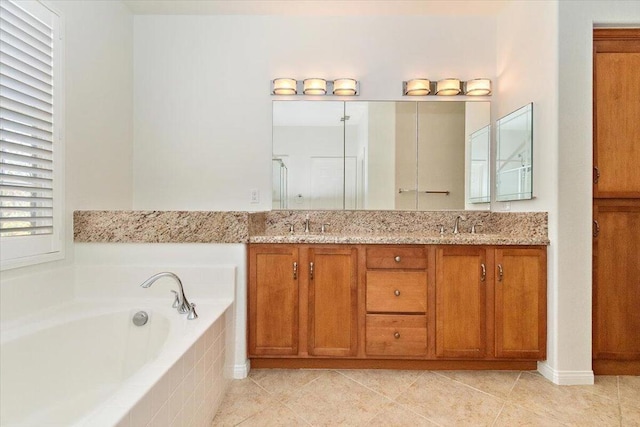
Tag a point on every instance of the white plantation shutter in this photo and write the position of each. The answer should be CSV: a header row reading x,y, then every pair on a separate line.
x,y
30,143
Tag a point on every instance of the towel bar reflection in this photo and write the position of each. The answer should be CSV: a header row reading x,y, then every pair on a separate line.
x,y
411,190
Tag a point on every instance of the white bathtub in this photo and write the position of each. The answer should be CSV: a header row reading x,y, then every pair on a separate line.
x,y
86,364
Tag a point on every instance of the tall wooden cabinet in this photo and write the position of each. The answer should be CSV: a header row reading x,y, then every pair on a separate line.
x,y
616,201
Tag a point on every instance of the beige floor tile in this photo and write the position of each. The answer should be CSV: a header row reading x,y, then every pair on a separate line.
x,y
276,415
629,387
513,415
283,383
604,385
394,415
335,400
244,398
497,383
447,402
575,405
389,383
630,415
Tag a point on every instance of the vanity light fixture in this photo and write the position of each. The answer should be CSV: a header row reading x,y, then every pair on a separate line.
x,y
348,87
477,87
314,86
284,86
416,87
448,87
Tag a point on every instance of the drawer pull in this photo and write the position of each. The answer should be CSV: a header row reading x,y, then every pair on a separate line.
x,y
500,273
396,335
311,271
397,258
295,270
484,272
396,292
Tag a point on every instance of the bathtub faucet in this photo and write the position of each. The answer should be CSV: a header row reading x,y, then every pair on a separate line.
x,y
181,303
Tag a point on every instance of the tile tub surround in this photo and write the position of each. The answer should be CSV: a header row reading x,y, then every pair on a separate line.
x,y
348,227
160,227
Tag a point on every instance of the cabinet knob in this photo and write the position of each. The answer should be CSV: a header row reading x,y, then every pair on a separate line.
x,y
396,335
396,292
397,258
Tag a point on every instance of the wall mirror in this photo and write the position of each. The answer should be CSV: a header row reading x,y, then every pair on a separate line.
x,y
479,152
514,146
406,155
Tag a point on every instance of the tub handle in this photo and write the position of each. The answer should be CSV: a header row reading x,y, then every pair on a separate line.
x,y
176,300
192,312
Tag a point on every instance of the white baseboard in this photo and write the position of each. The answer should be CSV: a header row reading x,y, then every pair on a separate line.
x,y
238,372
565,377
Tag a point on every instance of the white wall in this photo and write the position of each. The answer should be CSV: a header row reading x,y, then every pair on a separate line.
x,y
527,67
202,108
575,162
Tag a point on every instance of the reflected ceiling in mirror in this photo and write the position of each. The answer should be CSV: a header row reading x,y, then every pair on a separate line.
x,y
375,154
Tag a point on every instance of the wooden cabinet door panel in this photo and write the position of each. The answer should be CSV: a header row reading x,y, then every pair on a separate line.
x,y
273,300
333,310
616,282
461,301
520,303
616,118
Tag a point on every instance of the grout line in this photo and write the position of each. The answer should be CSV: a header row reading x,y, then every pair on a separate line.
x,y
514,385
619,400
498,416
471,387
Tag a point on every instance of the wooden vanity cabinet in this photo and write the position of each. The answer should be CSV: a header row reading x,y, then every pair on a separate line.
x,y
302,300
426,306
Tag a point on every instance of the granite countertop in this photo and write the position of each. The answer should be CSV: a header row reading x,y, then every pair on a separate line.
x,y
345,227
401,239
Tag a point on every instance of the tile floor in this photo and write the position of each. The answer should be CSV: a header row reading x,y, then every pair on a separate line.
x,y
425,398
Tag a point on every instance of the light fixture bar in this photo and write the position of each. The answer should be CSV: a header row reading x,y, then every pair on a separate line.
x,y
446,87
315,86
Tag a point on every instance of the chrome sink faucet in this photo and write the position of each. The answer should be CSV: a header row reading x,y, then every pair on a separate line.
x,y
456,225
307,224
181,303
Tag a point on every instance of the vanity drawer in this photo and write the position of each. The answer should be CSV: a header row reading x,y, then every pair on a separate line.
x,y
396,335
397,291
397,257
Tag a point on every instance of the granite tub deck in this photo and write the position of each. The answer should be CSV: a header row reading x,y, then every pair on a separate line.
x,y
344,227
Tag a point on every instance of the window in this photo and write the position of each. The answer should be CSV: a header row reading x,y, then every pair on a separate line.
x,y
31,145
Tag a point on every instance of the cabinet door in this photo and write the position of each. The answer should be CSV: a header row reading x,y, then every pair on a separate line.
x,y
520,303
616,282
616,111
333,309
273,300
461,278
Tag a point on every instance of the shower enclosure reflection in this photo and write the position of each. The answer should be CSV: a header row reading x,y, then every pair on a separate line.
x,y
376,154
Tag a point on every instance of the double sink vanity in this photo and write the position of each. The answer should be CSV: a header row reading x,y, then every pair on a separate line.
x,y
397,289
